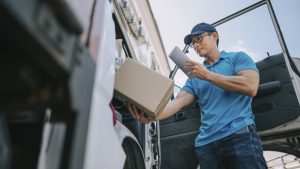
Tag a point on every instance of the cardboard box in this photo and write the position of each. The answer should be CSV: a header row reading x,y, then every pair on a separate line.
x,y
143,87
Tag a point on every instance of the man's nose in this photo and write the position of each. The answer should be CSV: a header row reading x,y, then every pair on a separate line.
x,y
196,45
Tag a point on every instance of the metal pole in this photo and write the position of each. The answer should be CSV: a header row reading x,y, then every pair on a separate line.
x,y
239,13
281,38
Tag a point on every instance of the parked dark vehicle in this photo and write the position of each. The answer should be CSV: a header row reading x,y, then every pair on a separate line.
x,y
276,105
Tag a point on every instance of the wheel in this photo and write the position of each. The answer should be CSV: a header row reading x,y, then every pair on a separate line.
x,y
134,156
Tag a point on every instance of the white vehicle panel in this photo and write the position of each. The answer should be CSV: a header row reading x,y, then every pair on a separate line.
x,y
103,149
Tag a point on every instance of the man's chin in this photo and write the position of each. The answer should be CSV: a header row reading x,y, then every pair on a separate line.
x,y
202,54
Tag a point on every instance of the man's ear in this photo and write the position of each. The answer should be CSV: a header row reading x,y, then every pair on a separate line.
x,y
215,34
216,37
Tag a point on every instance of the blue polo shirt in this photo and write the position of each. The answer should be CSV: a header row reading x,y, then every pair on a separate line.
x,y
223,112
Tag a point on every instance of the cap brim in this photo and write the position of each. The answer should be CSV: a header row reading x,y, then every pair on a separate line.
x,y
188,38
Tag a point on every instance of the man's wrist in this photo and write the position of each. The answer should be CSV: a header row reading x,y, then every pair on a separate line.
x,y
210,76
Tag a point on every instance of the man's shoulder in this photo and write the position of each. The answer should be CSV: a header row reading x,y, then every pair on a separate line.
x,y
234,54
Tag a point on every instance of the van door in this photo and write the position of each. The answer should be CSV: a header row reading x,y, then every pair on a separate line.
x,y
276,101
177,135
276,106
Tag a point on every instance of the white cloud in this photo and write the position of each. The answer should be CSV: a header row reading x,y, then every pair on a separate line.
x,y
241,46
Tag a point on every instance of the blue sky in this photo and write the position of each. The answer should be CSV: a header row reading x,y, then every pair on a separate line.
x,y
252,32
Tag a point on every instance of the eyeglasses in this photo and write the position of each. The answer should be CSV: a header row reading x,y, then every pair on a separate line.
x,y
198,39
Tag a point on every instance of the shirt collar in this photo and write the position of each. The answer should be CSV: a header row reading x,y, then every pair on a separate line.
x,y
221,57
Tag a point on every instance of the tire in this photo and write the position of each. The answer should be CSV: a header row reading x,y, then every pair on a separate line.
x,y
134,156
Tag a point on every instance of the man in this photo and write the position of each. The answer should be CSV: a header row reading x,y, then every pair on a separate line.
x,y
224,85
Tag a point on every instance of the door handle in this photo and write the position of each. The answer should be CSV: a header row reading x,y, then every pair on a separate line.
x,y
180,116
268,88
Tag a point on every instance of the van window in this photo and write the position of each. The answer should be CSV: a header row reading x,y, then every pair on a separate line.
x,y
289,23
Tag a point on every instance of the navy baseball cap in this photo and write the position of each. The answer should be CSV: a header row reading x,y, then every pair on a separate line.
x,y
197,30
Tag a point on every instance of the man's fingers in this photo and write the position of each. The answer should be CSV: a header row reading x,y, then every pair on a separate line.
x,y
191,62
188,65
134,111
138,114
129,106
189,68
145,120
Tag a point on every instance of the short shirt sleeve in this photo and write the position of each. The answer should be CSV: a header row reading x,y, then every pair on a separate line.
x,y
242,61
188,87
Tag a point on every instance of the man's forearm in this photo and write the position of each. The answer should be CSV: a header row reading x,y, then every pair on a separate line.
x,y
246,85
181,100
171,108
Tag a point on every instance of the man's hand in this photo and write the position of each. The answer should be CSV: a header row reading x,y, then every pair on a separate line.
x,y
138,114
197,70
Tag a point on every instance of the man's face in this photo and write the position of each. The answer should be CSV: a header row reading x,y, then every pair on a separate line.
x,y
204,43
